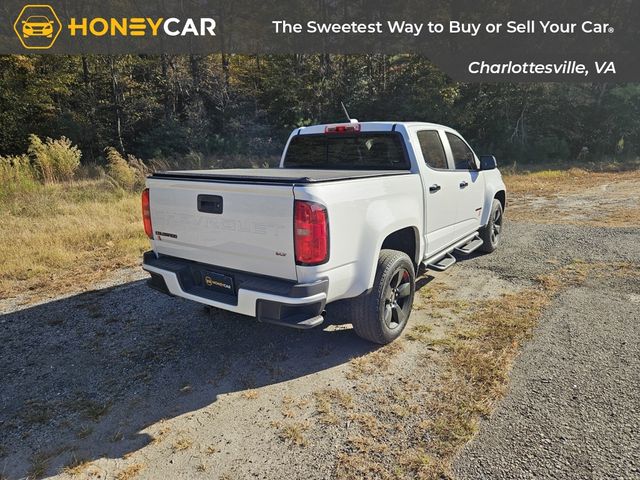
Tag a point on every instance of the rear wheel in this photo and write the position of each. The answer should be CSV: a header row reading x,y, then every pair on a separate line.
x,y
381,315
492,231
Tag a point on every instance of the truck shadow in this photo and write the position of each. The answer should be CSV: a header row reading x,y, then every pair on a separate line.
x,y
82,377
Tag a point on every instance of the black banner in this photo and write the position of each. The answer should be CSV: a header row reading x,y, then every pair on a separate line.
x,y
470,40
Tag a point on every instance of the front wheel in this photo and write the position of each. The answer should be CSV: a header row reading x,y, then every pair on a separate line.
x,y
492,231
381,315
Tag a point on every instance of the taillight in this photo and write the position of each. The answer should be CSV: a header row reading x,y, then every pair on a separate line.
x,y
146,213
311,233
344,128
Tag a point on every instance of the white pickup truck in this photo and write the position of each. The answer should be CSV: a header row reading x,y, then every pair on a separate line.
x,y
350,214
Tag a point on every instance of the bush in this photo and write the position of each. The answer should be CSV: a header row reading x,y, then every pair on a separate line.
x,y
16,174
128,173
55,160
14,169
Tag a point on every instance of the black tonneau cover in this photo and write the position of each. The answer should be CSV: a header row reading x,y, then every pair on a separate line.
x,y
274,175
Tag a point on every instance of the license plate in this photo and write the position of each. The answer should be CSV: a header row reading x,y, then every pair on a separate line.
x,y
218,282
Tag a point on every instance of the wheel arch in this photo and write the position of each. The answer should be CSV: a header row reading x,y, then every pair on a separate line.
x,y
494,189
501,196
405,240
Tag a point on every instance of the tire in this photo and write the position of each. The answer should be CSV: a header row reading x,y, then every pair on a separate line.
x,y
381,315
492,231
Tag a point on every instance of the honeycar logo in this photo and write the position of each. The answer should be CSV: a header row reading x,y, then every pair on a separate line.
x,y
210,282
141,26
37,27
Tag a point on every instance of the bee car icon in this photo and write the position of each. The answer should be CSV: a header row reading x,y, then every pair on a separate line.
x,y
37,26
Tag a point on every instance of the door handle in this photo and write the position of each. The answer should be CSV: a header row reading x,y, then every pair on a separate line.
x,y
434,188
210,203
464,184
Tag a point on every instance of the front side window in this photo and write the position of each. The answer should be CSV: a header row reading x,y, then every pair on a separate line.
x,y
463,157
432,149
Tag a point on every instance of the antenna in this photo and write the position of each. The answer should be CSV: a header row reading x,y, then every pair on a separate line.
x,y
349,119
344,109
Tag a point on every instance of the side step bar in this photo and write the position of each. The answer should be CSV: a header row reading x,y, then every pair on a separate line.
x,y
470,247
444,263
444,259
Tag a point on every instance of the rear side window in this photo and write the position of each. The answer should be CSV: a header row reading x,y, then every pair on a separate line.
x,y
363,151
462,154
432,149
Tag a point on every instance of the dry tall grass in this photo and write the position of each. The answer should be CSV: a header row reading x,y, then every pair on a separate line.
x,y
65,235
54,160
566,197
62,234
557,182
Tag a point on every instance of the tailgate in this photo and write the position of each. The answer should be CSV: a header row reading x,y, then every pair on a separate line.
x,y
240,226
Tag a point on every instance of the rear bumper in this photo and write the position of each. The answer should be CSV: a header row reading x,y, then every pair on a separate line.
x,y
268,299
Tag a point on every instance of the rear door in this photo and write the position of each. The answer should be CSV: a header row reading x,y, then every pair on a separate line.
x,y
240,226
440,192
464,168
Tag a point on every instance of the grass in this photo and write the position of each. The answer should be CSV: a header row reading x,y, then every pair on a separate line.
x,y
419,333
161,434
250,394
89,408
557,197
130,472
84,431
76,466
61,236
291,407
377,361
328,400
39,465
293,433
182,443
556,182
369,424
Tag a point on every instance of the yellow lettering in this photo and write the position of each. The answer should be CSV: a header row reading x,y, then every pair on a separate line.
x,y
103,23
154,26
121,27
137,26
73,26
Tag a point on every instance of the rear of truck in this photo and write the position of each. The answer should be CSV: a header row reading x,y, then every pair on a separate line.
x,y
277,244
232,245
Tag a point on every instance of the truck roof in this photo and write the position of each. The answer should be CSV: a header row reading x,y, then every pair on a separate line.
x,y
366,126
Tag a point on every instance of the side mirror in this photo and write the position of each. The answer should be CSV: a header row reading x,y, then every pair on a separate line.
x,y
488,162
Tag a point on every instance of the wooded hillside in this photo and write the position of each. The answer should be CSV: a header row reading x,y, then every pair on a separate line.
x,y
165,107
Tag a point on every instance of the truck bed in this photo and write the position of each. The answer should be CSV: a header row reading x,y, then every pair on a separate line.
x,y
286,176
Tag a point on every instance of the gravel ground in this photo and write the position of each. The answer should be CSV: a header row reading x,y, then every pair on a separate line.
x,y
148,386
573,410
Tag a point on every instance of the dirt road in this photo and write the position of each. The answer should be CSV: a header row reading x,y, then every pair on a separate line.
x,y
574,409
123,382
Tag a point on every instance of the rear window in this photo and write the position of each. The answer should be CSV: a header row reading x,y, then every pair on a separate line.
x,y
363,151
